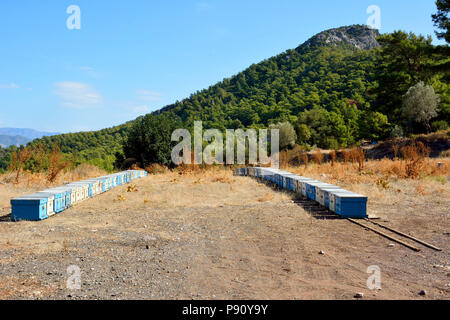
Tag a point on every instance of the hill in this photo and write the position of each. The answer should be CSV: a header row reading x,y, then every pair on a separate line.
x,y
6,141
325,72
323,87
29,134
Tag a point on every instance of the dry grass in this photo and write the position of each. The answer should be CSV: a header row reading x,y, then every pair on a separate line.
x,y
376,169
255,229
40,180
155,169
318,156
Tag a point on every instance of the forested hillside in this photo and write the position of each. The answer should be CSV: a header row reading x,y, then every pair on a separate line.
x,y
337,88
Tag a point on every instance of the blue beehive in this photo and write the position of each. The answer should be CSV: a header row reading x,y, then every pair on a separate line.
x,y
311,188
67,193
348,204
31,208
59,202
95,186
289,181
81,189
100,186
91,184
322,193
300,184
106,185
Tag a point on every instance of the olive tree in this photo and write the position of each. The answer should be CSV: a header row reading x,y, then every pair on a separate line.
x,y
421,103
288,137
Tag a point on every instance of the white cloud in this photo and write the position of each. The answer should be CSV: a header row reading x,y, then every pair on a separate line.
x,y
9,86
148,95
77,95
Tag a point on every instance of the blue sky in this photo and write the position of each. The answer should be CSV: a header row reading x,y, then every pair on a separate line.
x,y
136,56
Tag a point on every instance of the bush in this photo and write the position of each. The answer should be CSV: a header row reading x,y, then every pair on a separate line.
x,y
288,137
397,132
439,125
421,103
150,139
156,169
445,154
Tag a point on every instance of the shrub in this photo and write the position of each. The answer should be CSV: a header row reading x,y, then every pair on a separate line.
x,y
156,168
445,154
397,132
150,139
414,156
56,163
18,161
439,125
288,136
421,104
318,156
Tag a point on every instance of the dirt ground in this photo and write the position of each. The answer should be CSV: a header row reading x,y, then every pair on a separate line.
x,y
215,236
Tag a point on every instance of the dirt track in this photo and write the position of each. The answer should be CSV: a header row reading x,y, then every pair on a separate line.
x,y
219,237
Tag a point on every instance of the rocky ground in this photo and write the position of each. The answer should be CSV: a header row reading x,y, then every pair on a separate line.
x,y
215,236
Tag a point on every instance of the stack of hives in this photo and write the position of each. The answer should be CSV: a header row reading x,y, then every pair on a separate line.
x,y
345,203
44,204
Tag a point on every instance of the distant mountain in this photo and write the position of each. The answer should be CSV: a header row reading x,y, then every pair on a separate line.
x,y
6,141
25,133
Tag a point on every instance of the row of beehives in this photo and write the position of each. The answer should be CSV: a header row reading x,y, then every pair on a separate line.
x,y
344,203
44,204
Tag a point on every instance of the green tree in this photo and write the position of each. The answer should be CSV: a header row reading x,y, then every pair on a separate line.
x,y
303,133
149,140
421,104
403,61
441,20
373,125
288,137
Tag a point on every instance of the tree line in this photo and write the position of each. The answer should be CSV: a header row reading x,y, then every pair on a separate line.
x,y
326,96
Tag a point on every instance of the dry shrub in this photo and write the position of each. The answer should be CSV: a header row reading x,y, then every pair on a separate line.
x,y
305,159
132,188
395,148
347,155
333,157
56,164
361,158
318,156
19,158
283,159
414,156
156,169
383,183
